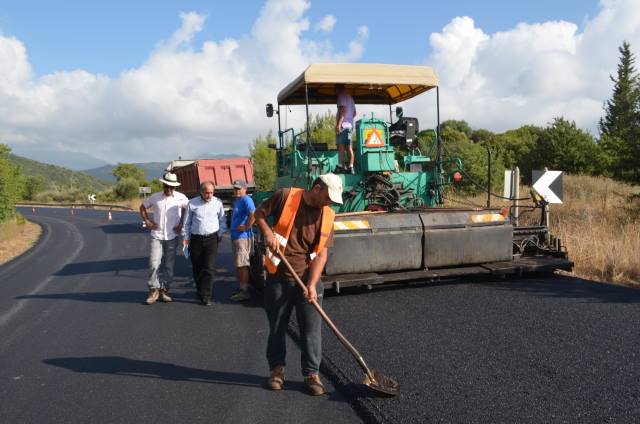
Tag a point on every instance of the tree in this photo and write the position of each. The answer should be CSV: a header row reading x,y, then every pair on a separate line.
x,y
516,148
474,160
565,147
11,184
620,126
483,136
128,170
264,162
461,126
155,184
127,188
323,129
427,143
33,185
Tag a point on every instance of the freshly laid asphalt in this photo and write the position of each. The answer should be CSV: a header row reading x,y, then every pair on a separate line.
x,y
526,351
78,345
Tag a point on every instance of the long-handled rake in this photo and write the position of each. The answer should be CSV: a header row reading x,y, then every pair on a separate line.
x,y
373,379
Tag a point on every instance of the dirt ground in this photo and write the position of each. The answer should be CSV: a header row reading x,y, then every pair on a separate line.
x,y
16,239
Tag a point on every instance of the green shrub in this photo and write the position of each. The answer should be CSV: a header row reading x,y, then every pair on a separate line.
x,y
11,185
43,197
127,188
106,196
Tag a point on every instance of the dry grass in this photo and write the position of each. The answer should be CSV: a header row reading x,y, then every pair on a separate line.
x,y
599,223
16,237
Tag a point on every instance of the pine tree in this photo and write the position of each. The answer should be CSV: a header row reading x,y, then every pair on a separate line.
x,y
620,127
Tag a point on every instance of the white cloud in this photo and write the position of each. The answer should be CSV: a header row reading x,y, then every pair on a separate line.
x,y
326,24
192,23
185,100
188,100
533,72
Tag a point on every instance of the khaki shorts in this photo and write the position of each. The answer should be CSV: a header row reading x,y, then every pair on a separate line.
x,y
242,248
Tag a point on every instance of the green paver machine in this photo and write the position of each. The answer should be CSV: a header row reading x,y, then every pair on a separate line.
x,y
392,226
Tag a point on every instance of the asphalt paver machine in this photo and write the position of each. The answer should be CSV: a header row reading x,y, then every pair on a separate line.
x,y
393,226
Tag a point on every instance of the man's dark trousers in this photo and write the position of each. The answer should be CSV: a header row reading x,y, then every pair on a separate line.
x,y
203,251
280,298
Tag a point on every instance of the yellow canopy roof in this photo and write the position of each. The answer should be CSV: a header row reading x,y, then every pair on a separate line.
x,y
368,83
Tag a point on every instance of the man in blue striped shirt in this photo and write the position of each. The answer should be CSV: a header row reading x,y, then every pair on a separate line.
x,y
204,225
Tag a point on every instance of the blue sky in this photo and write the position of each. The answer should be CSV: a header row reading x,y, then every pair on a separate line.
x,y
110,36
144,81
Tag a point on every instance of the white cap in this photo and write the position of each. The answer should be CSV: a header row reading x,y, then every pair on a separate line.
x,y
334,184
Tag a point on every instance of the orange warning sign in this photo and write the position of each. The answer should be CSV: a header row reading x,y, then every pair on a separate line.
x,y
373,138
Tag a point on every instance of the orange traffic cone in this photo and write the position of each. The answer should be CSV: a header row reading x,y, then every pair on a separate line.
x,y
109,217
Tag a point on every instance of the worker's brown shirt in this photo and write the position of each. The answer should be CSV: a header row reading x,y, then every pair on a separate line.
x,y
304,234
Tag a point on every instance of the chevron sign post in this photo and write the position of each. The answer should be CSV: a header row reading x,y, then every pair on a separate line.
x,y
548,184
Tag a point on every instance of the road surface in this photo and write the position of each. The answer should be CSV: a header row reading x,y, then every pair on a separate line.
x,y
76,344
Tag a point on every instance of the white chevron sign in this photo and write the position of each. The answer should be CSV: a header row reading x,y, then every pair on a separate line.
x,y
548,184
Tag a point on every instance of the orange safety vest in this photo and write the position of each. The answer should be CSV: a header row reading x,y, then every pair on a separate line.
x,y
283,227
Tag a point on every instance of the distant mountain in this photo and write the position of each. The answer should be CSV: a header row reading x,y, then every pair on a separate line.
x,y
152,170
57,177
75,161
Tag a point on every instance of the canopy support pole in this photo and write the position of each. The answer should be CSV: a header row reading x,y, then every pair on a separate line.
x,y
309,167
438,142
280,138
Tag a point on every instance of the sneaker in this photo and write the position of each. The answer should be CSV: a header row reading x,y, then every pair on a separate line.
x,y
276,381
339,169
164,296
241,296
351,171
153,296
314,385
206,300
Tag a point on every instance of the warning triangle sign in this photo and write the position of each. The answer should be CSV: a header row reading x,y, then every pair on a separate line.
x,y
374,139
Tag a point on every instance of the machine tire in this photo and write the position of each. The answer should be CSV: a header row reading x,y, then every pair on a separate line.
x,y
257,273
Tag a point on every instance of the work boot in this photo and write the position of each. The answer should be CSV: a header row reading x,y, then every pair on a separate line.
x,y
241,296
153,296
164,296
276,381
314,385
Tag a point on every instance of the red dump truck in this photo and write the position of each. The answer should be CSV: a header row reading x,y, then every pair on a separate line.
x,y
221,171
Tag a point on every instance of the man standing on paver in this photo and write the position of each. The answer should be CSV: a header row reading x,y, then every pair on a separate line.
x,y
204,225
167,206
303,231
242,219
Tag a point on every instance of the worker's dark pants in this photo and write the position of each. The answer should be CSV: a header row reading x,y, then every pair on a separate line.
x,y
280,297
203,251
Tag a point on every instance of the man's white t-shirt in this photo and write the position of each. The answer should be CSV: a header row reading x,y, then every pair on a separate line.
x,y
166,213
345,100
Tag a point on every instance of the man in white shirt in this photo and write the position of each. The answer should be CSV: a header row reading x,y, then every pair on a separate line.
x,y
204,225
167,206
344,127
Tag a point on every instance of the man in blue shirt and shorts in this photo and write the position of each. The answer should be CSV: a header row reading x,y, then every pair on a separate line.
x,y
242,220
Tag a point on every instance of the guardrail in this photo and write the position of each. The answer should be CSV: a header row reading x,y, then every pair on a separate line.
x,y
75,205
